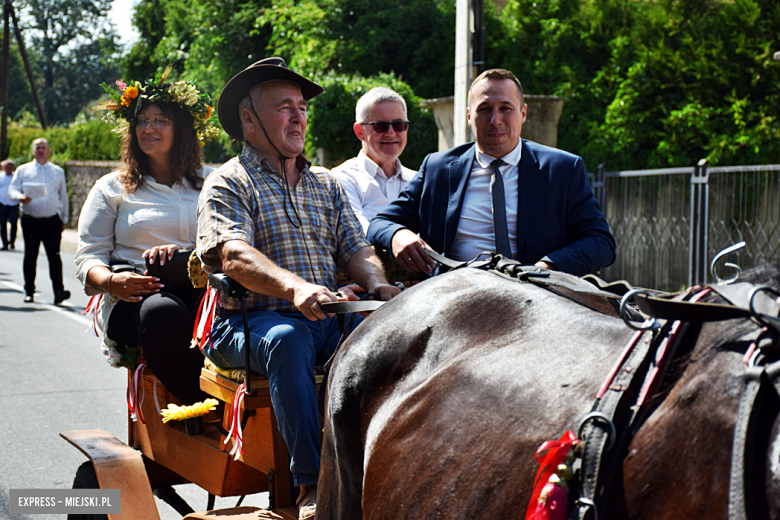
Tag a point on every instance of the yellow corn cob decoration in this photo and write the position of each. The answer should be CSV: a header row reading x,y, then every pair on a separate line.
x,y
179,413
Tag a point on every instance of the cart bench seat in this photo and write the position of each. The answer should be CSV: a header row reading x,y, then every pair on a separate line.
x,y
216,384
264,448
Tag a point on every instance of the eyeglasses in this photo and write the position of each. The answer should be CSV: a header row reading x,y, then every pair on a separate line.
x,y
158,122
381,127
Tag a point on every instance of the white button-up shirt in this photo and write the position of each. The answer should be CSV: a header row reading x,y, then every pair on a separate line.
x,y
475,232
367,187
55,202
5,182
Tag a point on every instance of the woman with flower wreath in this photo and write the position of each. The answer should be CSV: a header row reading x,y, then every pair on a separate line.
x,y
147,210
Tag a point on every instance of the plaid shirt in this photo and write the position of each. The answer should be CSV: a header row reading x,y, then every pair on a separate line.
x,y
245,200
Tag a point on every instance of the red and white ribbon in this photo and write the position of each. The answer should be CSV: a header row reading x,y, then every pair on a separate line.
x,y
91,312
205,318
133,389
235,432
156,402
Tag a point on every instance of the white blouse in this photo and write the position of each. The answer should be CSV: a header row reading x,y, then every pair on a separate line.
x,y
117,228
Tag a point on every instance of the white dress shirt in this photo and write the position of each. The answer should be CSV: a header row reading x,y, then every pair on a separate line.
x,y
55,202
5,182
367,187
475,232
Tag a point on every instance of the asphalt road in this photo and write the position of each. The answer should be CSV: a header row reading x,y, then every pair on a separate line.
x,y
54,379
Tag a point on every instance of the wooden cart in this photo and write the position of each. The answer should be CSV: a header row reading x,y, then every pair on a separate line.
x,y
160,455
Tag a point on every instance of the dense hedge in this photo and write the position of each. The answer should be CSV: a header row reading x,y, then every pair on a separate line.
x,y
89,141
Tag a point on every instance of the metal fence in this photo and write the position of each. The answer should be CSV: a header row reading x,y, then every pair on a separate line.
x,y
669,223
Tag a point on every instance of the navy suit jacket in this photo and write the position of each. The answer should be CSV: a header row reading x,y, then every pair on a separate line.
x,y
557,216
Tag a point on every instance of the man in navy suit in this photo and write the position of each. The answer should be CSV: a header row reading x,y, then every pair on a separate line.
x,y
549,213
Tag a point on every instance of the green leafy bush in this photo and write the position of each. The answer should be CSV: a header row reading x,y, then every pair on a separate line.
x,y
89,141
704,87
653,84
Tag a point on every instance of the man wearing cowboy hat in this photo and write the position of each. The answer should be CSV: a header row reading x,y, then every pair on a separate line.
x,y
281,229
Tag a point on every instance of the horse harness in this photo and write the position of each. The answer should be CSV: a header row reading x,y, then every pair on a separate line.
x,y
622,402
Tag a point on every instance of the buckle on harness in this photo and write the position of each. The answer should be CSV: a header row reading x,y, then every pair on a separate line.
x,y
597,417
649,323
588,504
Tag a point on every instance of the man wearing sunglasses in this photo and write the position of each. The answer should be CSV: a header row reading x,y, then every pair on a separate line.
x,y
376,177
523,200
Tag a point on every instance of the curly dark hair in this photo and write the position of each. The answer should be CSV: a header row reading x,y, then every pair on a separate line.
x,y
185,152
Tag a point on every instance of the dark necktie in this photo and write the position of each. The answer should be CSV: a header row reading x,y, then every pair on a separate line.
x,y
499,211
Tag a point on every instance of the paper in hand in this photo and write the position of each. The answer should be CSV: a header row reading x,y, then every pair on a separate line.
x,y
34,190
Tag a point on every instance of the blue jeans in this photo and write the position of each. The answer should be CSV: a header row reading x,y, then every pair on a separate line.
x,y
285,347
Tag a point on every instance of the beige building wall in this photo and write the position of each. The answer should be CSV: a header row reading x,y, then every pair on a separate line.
x,y
541,124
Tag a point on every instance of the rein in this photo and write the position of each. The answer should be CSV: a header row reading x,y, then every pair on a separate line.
x,y
368,302
515,271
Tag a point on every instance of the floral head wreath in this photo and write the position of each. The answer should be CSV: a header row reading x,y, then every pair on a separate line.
x,y
125,104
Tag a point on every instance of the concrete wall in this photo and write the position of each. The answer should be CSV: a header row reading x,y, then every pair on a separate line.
x,y
541,125
82,175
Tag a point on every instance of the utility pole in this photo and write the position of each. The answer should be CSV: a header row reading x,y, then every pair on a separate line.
x,y
469,62
8,12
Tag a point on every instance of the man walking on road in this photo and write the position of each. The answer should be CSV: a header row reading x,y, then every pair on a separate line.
x,y
9,209
40,187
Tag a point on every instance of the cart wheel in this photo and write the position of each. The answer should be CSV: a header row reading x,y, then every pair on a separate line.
x,y
86,478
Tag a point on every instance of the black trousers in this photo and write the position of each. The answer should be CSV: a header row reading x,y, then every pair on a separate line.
x,y
8,216
49,231
161,324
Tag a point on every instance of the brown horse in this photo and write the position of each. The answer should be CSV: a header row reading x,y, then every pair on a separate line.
x,y
439,400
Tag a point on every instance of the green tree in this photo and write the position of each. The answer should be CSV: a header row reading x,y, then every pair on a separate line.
x,y
575,49
209,41
653,84
149,21
706,86
74,49
413,39
645,83
19,94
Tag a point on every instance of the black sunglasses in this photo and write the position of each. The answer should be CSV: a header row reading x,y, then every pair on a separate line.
x,y
383,126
